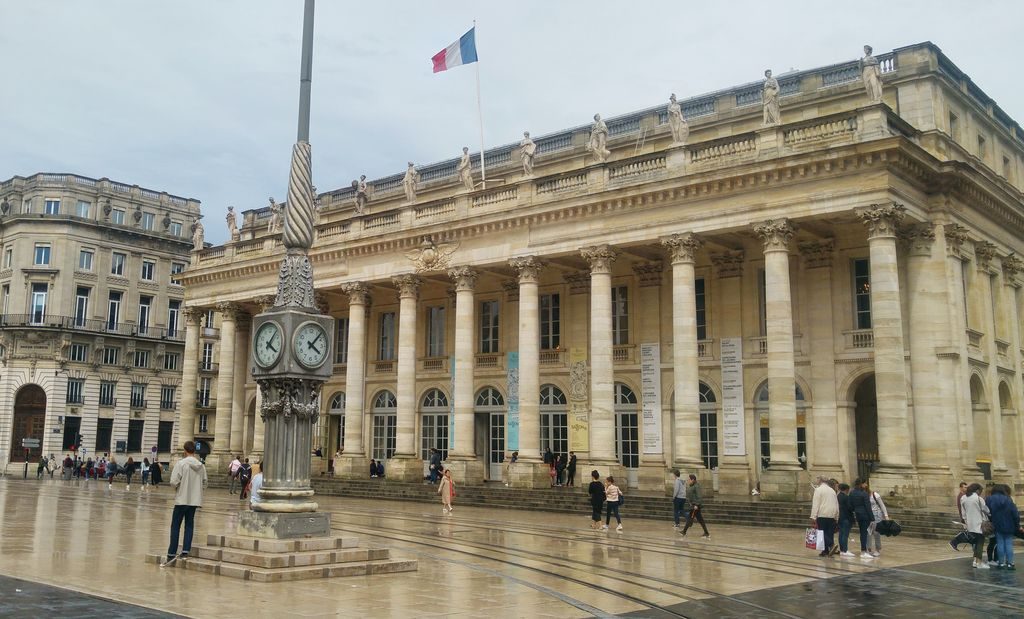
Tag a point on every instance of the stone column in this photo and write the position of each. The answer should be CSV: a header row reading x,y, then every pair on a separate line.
x,y
984,252
602,370
686,416
189,379
896,467
1012,266
824,458
462,459
654,468
529,472
353,461
243,324
225,388
406,465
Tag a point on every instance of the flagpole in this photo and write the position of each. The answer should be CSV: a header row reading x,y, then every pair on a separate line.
x,y
480,118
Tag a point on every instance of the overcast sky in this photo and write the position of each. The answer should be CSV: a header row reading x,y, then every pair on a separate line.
x,y
199,97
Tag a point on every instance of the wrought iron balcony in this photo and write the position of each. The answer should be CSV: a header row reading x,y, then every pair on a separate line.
x,y
90,325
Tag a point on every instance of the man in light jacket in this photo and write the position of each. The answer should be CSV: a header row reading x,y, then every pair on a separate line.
x,y
189,480
825,512
678,497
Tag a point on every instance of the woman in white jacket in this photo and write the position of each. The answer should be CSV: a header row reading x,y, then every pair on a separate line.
x,y
878,514
975,513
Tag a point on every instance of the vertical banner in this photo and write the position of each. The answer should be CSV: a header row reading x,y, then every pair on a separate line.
x,y
451,405
650,392
579,412
512,419
734,441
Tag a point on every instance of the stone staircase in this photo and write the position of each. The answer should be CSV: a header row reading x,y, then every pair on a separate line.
x,y
267,560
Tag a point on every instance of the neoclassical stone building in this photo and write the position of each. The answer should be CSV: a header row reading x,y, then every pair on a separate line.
x,y
837,293
91,335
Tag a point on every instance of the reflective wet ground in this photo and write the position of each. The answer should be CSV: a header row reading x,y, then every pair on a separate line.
x,y
477,562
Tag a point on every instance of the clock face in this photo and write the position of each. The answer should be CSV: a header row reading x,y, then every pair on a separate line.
x,y
311,345
268,344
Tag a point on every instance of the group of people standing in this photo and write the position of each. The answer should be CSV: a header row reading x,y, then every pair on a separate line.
x,y
836,504
562,468
105,467
993,517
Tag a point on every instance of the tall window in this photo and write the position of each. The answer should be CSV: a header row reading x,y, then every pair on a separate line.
x,y
39,294
81,305
175,228
965,284
85,257
708,427
204,392
51,206
104,431
117,216
42,255
385,424
114,309
138,395
207,363
702,315
117,262
165,433
435,331
862,292
341,340
954,127
8,257
982,148
762,307
386,340
145,309
148,221
167,397
550,322
554,420
135,427
176,269
78,353
171,360
148,270
26,206
83,209
209,319
627,428
75,388
204,423
620,315
5,298
142,358
489,321
111,355
107,392
434,424
173,311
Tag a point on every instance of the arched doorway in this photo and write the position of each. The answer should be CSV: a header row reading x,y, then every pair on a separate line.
x,y
865,416
980,412
385,424
762,405
554,421
434,419
29,422
490,402
627,432
708,427
335,424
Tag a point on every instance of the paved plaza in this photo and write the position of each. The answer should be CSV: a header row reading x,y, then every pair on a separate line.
x,y
91,542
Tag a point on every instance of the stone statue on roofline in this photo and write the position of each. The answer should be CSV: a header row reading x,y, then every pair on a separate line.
x,y
527,151
676,121
465,169
770,100
871,73
362,194
197,236
598,143
275,216
232,222
410,182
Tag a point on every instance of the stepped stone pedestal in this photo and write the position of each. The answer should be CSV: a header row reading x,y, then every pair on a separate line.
x,y
404,468
531,475
786,484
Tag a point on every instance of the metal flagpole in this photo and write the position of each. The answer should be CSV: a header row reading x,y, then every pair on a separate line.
x,y
480,117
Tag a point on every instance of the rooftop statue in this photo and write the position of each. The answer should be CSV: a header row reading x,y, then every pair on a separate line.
x,y
465,169
410,181
770,100
598,143
676,121
871,73
527,150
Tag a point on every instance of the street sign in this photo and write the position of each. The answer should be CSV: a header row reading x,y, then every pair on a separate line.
x,y
30,443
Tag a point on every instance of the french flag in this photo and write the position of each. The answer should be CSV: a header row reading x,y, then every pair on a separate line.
x,y
460,52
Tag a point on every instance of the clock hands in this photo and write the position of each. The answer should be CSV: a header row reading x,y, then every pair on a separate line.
x,y
310,345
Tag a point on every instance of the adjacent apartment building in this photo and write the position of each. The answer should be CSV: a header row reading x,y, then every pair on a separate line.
x,y
91,327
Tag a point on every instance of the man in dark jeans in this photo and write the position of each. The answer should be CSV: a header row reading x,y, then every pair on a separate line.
x,y
693,495
435,465
678,498
189,479
859,504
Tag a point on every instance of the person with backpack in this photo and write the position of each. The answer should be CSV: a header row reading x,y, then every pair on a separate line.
x,y
244,477
1005,521
571,470
233,474
846,518
878,514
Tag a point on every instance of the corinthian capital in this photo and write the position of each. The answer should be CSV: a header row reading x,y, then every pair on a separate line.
x,y
265,302
919,238
408,285
528,268
229,311
357,292
193,315
775,234
882,220
984,252
1011,266
464,278
682,247
600,257
956,236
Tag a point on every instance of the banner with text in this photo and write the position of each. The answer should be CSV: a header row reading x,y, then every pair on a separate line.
x,y
512,420
650,392
734,441
579,408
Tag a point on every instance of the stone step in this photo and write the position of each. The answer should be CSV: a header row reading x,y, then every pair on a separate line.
x,y
242,542
360,568
309,558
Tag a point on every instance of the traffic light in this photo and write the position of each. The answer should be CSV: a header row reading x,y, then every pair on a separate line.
x,y
78,440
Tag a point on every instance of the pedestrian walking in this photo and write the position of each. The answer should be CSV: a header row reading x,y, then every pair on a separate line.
x,y
447,491
129,469
112,469
40,468
244,477
613,501
959,509
156,474
1005,519
145,473
846,519
596,492
878,514
66,467
861,505
825,512
256,485
570,470
435,465
189,480
233,474
678,498
975,514
696,503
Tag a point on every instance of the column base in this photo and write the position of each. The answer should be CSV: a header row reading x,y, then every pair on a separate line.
x,y
782,483
937,486
735,479
652,477
403,468
607,468
465,469
354,466
270,525
318,467
900,486
218,463
530,475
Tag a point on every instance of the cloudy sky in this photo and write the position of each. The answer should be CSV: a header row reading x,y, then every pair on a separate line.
x,y
199,97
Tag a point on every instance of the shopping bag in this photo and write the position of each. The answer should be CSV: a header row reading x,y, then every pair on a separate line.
x,y
811,538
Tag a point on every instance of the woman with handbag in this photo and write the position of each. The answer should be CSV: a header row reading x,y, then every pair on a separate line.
x,y
976,516
878,514
447,491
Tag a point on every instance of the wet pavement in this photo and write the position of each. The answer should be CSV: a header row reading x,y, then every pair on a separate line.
x,y
91,542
